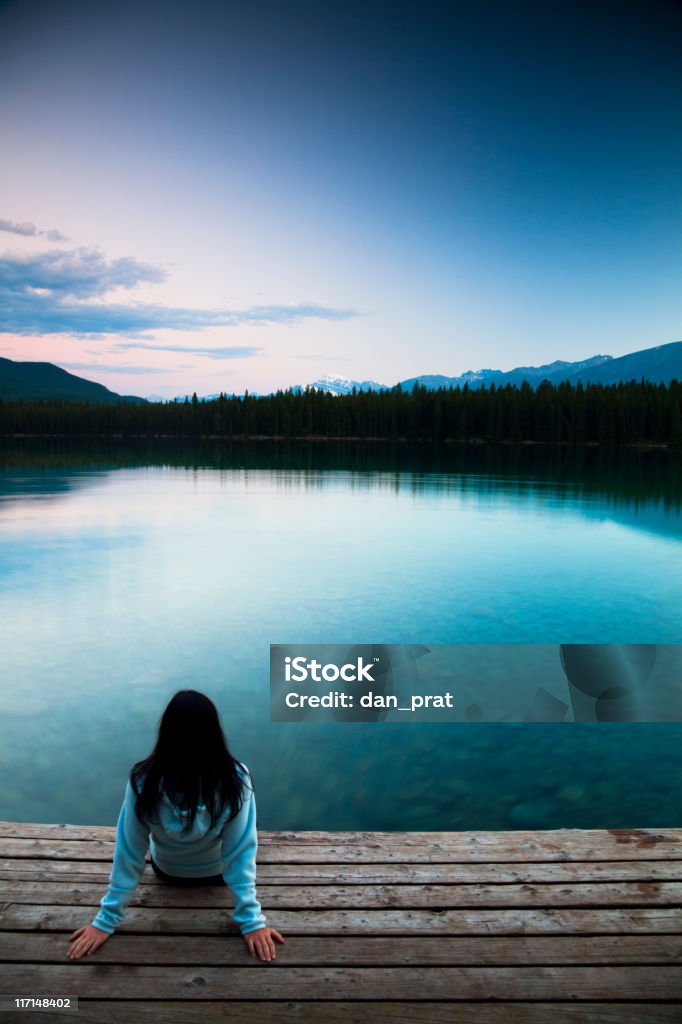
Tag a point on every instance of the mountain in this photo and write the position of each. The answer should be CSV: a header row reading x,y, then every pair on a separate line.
x,y
433,381
658,365
340,385
45,380
555,372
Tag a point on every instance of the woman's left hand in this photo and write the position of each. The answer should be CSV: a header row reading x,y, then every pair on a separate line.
x,y
87,940
260,942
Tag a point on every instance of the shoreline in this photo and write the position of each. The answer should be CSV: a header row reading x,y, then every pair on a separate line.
x,y
317,438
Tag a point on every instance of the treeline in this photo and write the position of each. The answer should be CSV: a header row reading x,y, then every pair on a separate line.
x,y
630,413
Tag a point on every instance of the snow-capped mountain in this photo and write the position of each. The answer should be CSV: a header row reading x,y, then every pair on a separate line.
x,y
340,385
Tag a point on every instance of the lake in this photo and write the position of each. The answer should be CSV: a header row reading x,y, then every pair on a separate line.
x,y
130,570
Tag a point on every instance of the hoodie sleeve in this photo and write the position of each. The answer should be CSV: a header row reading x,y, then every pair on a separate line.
x,y
239,845
132,840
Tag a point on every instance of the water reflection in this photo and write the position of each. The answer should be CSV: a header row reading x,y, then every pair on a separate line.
x,y
130,570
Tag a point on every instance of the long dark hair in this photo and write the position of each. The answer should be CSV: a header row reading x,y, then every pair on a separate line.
x,y
191,763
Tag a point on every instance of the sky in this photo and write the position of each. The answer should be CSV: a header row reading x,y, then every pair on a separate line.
x,y
218,196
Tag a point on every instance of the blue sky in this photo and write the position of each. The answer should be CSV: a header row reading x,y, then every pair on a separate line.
x,y
216,196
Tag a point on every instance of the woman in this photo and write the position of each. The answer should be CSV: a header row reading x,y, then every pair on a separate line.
x,y
192,804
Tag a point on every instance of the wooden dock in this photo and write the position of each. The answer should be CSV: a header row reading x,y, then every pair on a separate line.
x,y
487,927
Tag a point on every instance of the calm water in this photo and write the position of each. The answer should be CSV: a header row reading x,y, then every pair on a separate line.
x,y
129,572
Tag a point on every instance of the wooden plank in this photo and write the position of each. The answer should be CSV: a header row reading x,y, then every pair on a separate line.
x,y
57,849
95,1012
75,870
642,838
366,874
602,847
431,983
371,897
36,947
378,847
185,921
32,829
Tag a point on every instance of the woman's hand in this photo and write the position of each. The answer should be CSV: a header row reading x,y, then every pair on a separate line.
x,y
88,939
260,942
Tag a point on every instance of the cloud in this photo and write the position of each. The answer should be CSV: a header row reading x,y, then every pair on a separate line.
x,y
53,292
113,368
224,352
71,274
28,229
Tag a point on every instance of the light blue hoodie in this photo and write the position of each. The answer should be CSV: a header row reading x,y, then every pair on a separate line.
x,y
228,849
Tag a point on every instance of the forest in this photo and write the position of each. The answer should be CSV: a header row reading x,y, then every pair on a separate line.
x,y
617,414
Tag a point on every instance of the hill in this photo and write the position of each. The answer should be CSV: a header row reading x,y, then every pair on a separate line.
x,y
31,381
